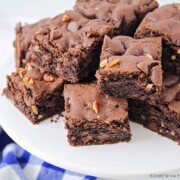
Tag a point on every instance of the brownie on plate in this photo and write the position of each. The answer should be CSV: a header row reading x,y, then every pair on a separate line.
x,y
93,118
164,22
130,68
69,46
161,113
37,95
23,39
124,15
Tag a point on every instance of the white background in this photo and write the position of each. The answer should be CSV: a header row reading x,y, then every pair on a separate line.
x,y
14,11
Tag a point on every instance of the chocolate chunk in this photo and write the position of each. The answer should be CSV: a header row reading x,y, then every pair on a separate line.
x,y
34,97
164,22
175,106
94,118
73,27
124,15
156,75
170,94
144,66
133,74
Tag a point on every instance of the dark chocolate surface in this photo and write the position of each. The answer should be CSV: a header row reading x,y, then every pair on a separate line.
x,y
164,22
24,34
132,67
37,95
69,47
80,99
124,15
93,118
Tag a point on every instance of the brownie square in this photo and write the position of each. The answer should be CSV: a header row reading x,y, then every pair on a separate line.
x,y
69,46
160,113
37,95
93,118
130,68
125,16
23,39
164,22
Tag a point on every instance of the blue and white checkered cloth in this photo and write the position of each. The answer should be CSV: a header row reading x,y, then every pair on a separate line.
x,y
16,163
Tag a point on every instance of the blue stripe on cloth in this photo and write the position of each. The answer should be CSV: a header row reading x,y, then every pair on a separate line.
x,y
23,160
16,159
90,178
51,172
81,176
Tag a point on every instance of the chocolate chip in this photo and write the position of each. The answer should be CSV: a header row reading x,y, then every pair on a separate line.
x,y
170,94
55,34
156,75
73,27
175,106
143,66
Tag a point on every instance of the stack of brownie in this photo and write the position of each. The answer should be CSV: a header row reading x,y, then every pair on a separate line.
x,y
87,62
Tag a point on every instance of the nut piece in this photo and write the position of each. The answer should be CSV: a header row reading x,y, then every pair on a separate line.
x,y
21,72
36,48
173,57
162,124
66,18
149,56
48,78
173,133
96,9
178,51
29,67
113,62
96,106
149,87
124,129
21,69
113,1
107,122
103,63
31,81
35,110
26,79
178,7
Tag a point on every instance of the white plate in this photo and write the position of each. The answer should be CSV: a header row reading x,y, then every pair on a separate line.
x,y
147,153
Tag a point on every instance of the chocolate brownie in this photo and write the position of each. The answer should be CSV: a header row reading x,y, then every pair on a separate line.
x,y
23,39
93,118
130,68
163,116
37,95
69,46
124,15
164,22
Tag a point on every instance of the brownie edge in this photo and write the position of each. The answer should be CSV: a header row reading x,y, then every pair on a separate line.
x,y
38,96
93,118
